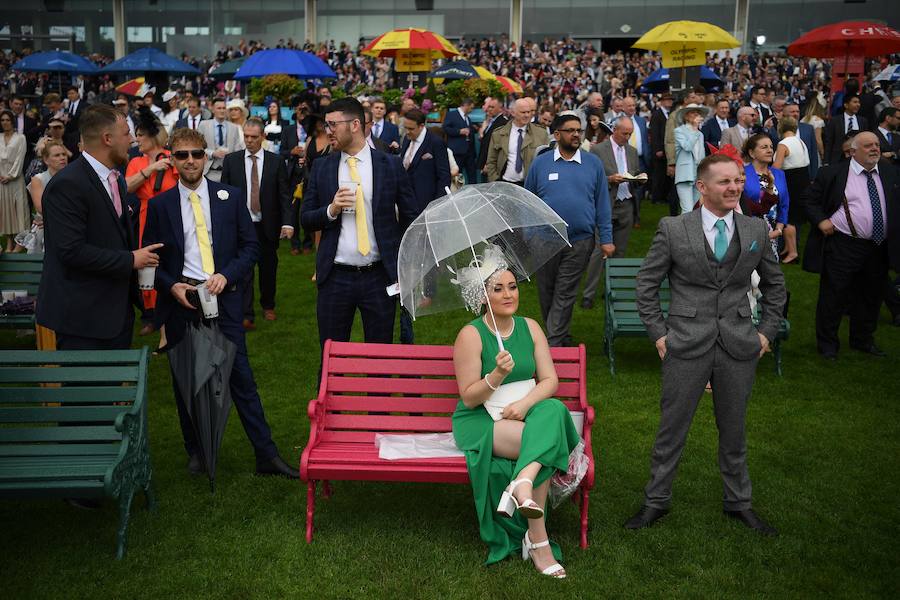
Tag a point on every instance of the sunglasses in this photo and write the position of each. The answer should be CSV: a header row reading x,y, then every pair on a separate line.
x,y
183,154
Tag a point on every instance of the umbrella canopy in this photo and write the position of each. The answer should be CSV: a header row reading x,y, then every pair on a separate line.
x,y
297,63
56,61
685,43
850,38
460,69
228,69
891,73
149,60
510,85
658,81
443,255
201,367
132,87
388,44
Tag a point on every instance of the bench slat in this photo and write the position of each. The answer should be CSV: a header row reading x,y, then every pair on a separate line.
x,y
49,468
397,366
68,374
58,434
59,449
387,423
54,414
391,404
68,395
70,357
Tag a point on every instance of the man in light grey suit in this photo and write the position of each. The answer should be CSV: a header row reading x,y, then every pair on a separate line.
x,y
708,256
741,132
222,137
618,157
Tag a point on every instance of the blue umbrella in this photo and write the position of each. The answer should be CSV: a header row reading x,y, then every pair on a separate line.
x,y
297,63
456,69
56,61
149,60
658,81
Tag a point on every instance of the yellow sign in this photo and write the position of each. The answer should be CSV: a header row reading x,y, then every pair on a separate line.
x,y
683,56
412,61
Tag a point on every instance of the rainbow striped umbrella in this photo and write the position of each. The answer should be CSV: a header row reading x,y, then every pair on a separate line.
x,y
510,85
401,40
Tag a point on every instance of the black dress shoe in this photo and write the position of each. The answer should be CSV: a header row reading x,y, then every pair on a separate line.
x,y
587,304
870,349
645,517
830,355
276,466
195,465
752,520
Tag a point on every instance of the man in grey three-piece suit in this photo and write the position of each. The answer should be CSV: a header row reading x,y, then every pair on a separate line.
x,y
708,256
222,138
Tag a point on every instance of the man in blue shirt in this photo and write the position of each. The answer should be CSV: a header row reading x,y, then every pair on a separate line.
x,y
573,183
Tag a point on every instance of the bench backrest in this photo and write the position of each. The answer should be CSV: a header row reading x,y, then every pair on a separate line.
x,y
21,272
415,384
621,280
71,399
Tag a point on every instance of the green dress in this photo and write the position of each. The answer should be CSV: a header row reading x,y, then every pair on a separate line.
x,y
549,437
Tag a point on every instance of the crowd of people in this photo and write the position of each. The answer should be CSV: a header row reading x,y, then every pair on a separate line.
x,y
186,182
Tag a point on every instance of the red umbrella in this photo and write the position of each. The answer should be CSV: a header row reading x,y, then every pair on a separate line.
x,y
850,38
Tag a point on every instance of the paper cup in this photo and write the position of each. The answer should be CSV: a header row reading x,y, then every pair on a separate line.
x,y
209,304
146,278
350,185
8,295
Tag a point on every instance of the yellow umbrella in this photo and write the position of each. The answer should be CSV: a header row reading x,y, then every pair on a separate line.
x,y
685,43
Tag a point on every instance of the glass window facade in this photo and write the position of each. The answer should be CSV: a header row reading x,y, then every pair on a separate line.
x,y
171,24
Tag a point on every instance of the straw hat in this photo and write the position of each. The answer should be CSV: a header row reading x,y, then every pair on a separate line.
x,y
679,114
238,103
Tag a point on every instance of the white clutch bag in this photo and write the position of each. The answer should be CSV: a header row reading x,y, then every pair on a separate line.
x,y
507,394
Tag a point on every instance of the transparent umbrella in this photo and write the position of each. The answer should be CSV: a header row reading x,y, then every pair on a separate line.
x,y
461,239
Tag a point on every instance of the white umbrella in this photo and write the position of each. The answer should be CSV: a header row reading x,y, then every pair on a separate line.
x,y
461,239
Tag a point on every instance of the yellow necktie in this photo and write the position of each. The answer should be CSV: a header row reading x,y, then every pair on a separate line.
x,y
362,230
632,141
206,255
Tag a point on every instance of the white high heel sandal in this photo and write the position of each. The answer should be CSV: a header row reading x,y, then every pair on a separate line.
x,y
508,503
555,570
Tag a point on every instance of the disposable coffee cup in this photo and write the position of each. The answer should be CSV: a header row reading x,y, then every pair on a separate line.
x,y
146,278
350,185
209,304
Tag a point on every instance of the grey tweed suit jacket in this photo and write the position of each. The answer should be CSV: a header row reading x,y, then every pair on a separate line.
x,y
704,309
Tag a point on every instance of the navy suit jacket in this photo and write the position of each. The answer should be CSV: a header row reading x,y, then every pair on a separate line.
x,y
235,251
807,135
391,195
429,171
712,133
453,122
184,124
389,133
646,155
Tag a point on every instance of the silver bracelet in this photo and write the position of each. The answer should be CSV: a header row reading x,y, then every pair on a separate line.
x,y
489,383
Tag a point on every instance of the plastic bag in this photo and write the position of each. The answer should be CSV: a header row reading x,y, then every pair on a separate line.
x,y
563,485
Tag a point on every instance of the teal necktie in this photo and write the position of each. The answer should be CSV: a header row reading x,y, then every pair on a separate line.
x,y
721,246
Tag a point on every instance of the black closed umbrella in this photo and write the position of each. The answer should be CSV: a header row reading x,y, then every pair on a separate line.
x,y
201,366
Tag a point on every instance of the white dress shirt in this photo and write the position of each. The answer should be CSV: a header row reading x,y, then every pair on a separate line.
x,y
414,146
723,124
348,248
102,172
248,166
193,265
709,226
377,128
194,122
510,173
847,123
20,124
575,157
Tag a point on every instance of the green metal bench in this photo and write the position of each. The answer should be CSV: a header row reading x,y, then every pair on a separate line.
x,y
20,272
74,425
623,320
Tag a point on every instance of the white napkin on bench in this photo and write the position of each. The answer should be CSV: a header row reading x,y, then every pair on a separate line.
x,y
416,445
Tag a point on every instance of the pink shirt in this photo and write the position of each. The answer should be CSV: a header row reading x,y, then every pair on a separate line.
x,y
858,202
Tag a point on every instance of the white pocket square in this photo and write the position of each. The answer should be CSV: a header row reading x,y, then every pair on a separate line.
x,y
427,156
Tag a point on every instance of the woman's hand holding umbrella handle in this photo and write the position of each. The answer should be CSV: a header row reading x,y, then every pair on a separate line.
x,y
505,365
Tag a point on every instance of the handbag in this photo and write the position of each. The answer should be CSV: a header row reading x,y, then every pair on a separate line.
x,y
506,394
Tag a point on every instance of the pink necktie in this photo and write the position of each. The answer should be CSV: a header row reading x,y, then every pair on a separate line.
x,y
113,179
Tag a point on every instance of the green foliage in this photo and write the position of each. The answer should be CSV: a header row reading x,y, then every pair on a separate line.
x,y
392,96
280,87
451,94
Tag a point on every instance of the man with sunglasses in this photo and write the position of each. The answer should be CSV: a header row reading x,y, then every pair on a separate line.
x,y
354,195
209,239
573,183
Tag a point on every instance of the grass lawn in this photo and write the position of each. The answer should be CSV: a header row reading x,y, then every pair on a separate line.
x,y
824,452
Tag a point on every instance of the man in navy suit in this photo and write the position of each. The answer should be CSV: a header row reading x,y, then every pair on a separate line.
x,y
719,122
383,129
461,138
424,157
354,196
208,238
192,117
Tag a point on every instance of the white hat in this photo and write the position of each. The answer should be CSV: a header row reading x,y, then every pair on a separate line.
x,y
238,103
169,95
701,108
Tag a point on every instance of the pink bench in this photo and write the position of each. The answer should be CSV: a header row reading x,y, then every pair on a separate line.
x,y
392,388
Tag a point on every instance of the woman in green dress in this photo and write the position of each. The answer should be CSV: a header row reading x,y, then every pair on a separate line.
x,y
510,461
